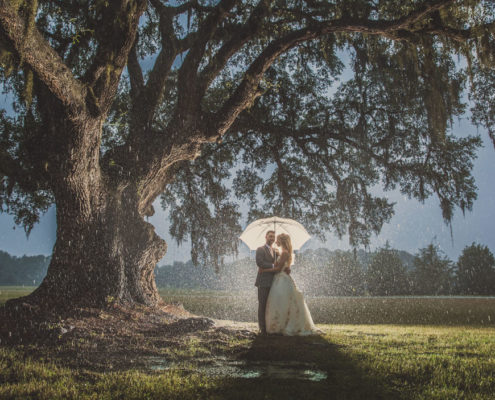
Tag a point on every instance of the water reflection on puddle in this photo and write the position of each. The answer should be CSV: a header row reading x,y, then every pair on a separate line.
x,y
158,363
279,371
247,370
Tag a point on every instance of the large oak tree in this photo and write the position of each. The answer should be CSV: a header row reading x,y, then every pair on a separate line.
x,y
117,102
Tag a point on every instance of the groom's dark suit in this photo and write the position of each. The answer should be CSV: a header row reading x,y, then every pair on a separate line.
x,y
264,260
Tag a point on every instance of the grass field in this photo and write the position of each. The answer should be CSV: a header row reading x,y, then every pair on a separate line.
x,y
330,310
10,292
360,362
356,361
348,310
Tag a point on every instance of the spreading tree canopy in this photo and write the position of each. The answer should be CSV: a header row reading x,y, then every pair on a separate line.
x,y
298,108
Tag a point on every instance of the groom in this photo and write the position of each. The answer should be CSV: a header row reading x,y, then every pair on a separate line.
x,y
265,260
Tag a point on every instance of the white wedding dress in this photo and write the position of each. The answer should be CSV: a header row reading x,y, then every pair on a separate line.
x,y
286,311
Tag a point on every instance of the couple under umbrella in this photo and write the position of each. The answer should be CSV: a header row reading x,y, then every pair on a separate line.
x,y
281,305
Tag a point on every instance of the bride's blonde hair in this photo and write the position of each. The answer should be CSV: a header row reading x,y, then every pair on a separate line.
x,y
286,243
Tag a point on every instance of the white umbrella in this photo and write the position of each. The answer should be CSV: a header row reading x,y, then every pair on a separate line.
x,y
254,234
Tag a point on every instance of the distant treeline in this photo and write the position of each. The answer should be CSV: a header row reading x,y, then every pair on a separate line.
x,y
25,270
385,272
321,272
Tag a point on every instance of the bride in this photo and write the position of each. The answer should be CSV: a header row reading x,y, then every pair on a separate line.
x,y
286,310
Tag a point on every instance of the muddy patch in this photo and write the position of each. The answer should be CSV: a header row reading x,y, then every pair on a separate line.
x,y
223,367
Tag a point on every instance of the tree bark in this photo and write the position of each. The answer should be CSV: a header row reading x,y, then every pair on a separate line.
x,y
110,257
107,257
105,251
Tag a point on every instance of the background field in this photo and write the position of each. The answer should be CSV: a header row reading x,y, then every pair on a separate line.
x,y
241,306
370,348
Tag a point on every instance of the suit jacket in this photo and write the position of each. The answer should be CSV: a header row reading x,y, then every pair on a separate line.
x,y
264,260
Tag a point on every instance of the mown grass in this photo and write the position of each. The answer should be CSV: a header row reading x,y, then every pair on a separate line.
x,y
361,361
10,292
242,306
31,379
347,310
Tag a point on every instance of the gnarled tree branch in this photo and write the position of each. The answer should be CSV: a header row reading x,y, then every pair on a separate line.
x,y
230,47
248,89
34,50
188,79
145,104
114,43
135,74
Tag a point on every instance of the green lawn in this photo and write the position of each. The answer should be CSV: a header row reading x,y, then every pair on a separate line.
x,y
359,361
242,306
347,310
10,292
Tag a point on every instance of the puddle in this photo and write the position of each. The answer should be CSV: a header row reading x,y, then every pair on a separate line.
x,y
281,371
247,370
158,363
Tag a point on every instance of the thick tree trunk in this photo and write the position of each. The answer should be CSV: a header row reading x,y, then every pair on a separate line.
x,y
108,257
105,251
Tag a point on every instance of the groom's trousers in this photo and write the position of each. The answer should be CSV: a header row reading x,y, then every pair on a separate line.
x,y
262,299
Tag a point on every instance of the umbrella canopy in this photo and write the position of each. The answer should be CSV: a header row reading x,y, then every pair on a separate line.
x,y
254,234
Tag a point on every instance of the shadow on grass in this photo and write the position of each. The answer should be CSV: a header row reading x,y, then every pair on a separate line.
x,y
344,379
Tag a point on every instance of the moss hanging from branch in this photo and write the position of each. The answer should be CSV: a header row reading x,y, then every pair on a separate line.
x,y
27,93
434,101
7,61
485,48
31,8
